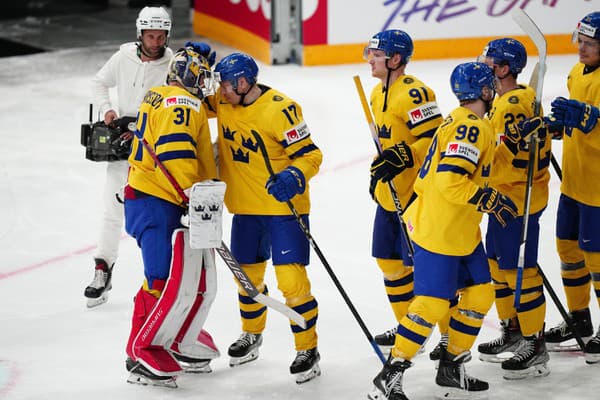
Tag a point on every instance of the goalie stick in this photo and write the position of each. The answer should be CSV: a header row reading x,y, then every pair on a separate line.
x,y
369,117
224,251
531,29
338,285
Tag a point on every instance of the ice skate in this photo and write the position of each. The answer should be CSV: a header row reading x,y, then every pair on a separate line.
x,y
530,359
305,366
245,349
388,383
140,375
436,353
193,365
97,291
560,338
507,343
386,340
592,349
452,380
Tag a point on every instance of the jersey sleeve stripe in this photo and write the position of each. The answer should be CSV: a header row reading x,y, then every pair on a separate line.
x,y
174,155
304,150
452,168
175,137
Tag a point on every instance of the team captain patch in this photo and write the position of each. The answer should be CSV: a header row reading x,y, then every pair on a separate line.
x,y
463,150
297,133
423,112
182,101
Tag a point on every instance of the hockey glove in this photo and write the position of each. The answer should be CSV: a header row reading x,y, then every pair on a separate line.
x,y
490,201
391,162
204,50
286,184
372,186
516,136
575,114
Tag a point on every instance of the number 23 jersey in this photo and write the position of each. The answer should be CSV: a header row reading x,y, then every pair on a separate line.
x,y
457,164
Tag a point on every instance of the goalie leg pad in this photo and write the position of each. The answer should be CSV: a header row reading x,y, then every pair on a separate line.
x,y
206,214
169,314
192,341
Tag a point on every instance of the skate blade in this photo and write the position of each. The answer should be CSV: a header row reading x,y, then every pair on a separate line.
x,y
535,371
567,345
592,358
91,303
309,375
145,381
237,361
449,393
376,394
196,368
496,358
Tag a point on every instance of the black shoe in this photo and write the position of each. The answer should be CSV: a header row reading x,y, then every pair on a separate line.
x,y
143,376
452,379
436,353
306,365
555,337
387,338
507,342
245,349
592,349
530,359
388,383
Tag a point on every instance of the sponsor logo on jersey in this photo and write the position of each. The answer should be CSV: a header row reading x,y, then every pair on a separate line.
x,y
297,133
182,101
423,112
463,150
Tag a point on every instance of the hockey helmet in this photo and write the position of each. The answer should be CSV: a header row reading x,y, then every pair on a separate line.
x,y
393,41
153,18
507,51
589,25
468,80
192,71
235,66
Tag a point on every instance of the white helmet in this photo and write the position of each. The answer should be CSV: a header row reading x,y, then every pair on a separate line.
x,y
153,18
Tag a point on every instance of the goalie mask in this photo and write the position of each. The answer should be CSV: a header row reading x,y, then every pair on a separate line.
x,y
191,71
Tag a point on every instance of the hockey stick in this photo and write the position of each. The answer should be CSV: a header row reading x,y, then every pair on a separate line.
x,y
375,136
531,29
238,273
338,285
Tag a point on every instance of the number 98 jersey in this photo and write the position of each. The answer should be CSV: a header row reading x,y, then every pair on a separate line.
x,y
457,164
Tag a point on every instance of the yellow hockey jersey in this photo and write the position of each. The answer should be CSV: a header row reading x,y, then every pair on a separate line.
x,y
458,163
509,172
279,122
175,125
581,151
412,116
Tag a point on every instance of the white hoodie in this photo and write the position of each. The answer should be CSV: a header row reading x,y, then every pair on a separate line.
x,y
132,78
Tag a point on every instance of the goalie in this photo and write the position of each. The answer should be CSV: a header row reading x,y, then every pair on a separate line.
x,y
180,283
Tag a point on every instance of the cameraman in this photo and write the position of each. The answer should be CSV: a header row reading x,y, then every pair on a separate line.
x,y
132,70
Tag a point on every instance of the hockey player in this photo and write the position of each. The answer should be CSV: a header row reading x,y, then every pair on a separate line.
x,y
263,225
406,115
577,227
133,69
443,222
512,110
173,123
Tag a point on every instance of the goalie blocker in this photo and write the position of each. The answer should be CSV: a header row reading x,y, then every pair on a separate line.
x,y
169,335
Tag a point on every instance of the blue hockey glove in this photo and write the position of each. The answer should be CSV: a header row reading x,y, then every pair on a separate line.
x,y
286,184
204,50
490,201
391,162
555,129
517,135
575,114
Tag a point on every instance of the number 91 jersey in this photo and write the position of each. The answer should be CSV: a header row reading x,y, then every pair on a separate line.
x,y
457,164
